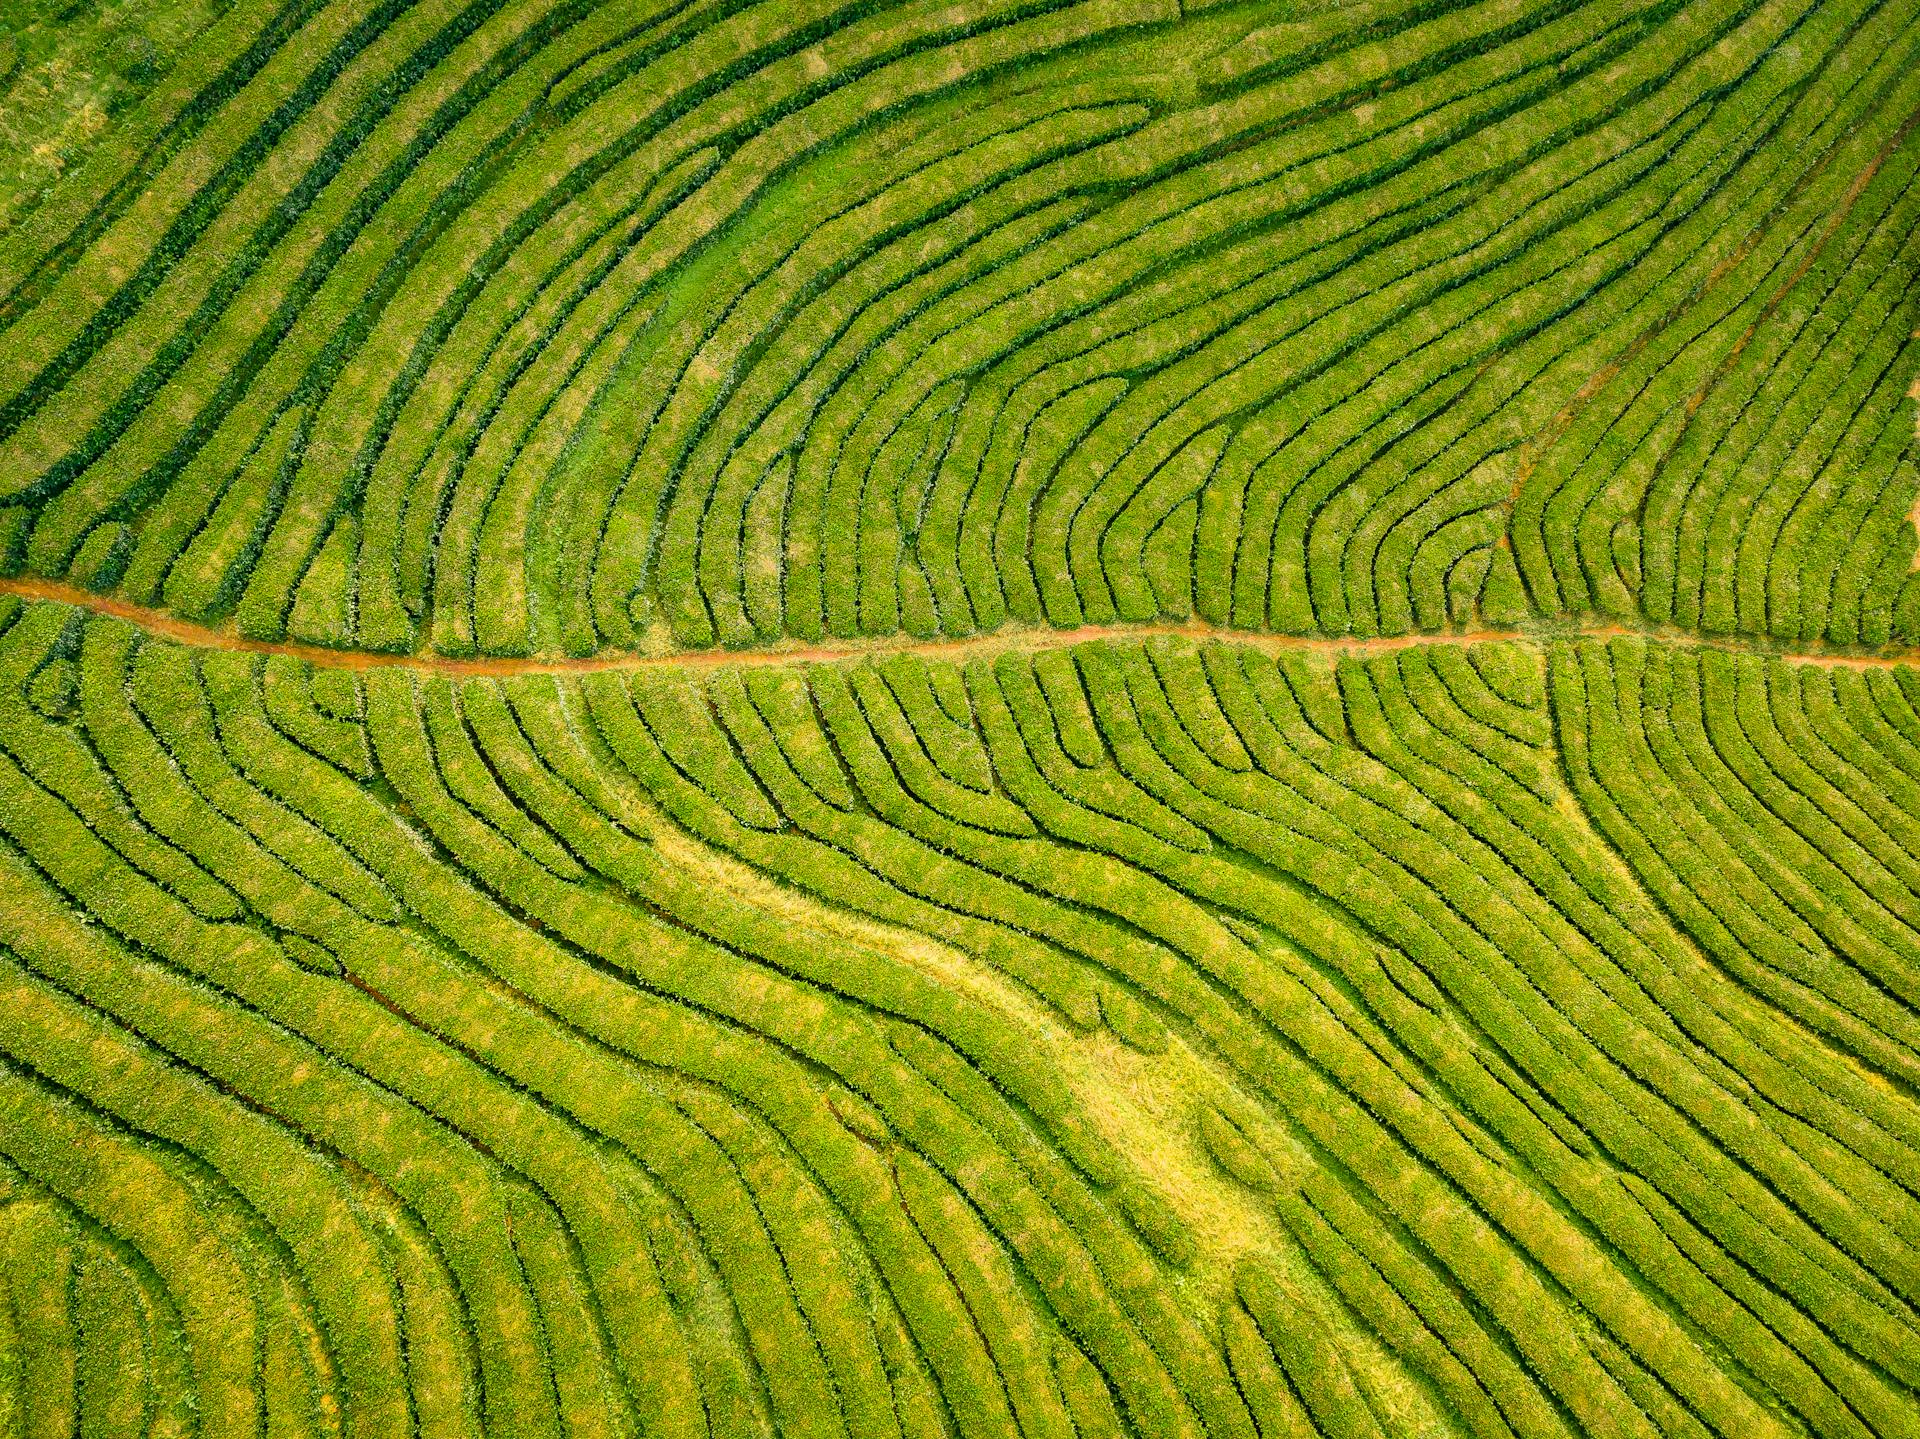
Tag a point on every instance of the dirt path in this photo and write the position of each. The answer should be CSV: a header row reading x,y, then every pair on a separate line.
x,y
210,637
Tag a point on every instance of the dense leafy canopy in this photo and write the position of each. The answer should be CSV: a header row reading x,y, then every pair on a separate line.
x,y
731,719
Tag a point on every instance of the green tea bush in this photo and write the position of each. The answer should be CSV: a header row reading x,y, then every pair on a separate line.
x,y
907,720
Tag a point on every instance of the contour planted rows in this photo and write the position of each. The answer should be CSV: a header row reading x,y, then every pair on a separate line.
x,y
1103,721
1196,1040
518,327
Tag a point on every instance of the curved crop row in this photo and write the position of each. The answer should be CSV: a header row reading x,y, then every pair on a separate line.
x,y
1020,1046
1302,814
524,326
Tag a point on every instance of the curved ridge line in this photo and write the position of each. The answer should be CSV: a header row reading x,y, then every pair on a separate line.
x,y
211,637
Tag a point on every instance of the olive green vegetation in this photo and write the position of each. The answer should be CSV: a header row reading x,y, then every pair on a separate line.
x,y
70,72
558,875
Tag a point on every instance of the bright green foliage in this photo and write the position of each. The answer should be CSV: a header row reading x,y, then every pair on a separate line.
x,y
517,326
1275,1039
1434,951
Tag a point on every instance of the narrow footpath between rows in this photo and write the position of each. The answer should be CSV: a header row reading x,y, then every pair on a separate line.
x,y
167,626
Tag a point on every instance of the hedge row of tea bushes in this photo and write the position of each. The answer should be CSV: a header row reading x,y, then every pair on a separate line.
x,y
1136,1038
517,326
1133,1038
69,76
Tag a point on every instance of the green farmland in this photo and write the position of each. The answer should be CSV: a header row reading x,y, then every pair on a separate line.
x,y
942,719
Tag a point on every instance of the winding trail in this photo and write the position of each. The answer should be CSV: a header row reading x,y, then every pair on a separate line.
x,y
212,637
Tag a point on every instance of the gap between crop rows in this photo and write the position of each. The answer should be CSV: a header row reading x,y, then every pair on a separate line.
x,y
199,636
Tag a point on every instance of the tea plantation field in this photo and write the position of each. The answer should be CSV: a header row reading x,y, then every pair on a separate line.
x,y
931,719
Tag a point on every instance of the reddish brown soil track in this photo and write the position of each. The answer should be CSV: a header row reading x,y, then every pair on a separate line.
x,y
159,622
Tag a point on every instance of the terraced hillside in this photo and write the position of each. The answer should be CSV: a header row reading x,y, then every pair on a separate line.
x,y
929,721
